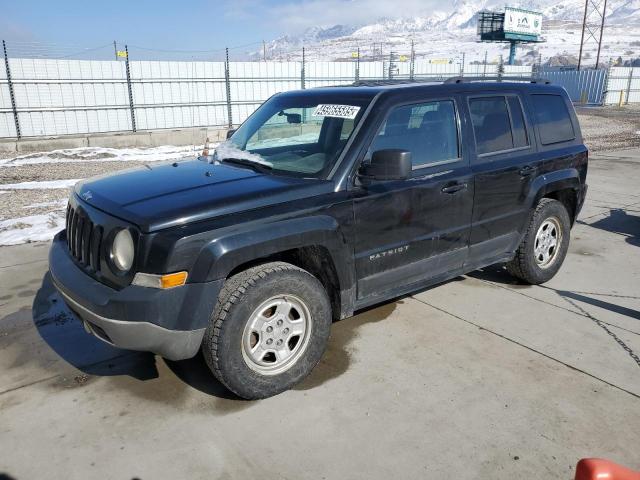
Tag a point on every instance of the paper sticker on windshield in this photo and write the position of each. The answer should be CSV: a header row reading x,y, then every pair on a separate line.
x,y
338,111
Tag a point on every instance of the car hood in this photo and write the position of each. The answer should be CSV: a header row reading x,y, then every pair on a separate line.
x,y
155,197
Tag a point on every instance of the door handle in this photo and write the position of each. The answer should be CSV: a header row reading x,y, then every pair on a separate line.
x,y
450,189
527,170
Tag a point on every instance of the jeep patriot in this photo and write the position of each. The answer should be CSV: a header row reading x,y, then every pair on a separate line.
x,y
323,202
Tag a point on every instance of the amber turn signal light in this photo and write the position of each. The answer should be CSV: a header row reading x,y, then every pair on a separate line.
x,y
168,280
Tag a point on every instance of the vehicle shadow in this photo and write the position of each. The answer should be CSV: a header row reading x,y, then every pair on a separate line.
x,y
65,335
621,223
498,274
195,373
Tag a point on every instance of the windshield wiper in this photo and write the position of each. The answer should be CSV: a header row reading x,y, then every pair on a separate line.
x,y
258,167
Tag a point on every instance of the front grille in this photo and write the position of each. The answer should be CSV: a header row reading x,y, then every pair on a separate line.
x,y
84,238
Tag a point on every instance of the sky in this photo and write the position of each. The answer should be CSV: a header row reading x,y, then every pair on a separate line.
x,y
198,27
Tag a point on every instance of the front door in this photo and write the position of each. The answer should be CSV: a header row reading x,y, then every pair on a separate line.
x,y
412,230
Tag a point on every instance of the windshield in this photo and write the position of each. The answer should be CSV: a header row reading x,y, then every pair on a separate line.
x,y
295,135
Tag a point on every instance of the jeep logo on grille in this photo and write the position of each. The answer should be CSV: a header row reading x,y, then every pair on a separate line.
x,y
87,195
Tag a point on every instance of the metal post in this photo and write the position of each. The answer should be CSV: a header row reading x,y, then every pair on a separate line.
x,y
584,26
228,87
133,114
390,73
484,71
11,94
604,14
302,71
500,68
462,66
412,65
358,65
512,52
115,49
629,85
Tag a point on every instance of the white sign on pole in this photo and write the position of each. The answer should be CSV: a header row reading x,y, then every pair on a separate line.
x,y
523,22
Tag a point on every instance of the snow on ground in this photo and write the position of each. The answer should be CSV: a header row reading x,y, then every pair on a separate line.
x,y
33,228
51,184
97,154
57,204
48,213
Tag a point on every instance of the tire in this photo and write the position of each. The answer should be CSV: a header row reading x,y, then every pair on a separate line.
x,y
235,341
528,264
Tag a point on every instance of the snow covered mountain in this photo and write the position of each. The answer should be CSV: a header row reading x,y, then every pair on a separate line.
x,y
448,31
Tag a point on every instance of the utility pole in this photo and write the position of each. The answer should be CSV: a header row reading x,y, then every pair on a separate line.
x,y
264,51
592,27
115,49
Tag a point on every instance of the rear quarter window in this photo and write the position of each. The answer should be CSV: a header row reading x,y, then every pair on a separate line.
x,y
553,119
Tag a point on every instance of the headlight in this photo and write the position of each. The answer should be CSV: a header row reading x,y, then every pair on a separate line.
x,y
122,250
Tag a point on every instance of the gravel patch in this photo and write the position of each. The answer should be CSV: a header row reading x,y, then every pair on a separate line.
x,y
610,128
63,171
21,203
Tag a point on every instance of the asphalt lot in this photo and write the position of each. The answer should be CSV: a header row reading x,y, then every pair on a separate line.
x,y
475,378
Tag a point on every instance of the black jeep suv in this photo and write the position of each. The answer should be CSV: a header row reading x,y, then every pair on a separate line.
x,y
323,202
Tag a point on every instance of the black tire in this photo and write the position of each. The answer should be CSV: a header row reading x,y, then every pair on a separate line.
x,y
524,265
241,295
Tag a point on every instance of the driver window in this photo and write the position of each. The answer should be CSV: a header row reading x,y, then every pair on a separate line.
x,y
293,126
428,130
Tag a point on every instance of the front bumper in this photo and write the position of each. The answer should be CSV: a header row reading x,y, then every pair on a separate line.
x,y
168,322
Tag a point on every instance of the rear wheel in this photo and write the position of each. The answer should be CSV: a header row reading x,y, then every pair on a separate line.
x,y
545,244
268,330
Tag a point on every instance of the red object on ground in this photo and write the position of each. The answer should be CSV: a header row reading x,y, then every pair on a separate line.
x,y
601,469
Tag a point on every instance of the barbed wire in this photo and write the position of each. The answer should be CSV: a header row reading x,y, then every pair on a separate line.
x,y
384,50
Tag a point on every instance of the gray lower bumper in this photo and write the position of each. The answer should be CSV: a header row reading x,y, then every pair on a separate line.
x,y
144,336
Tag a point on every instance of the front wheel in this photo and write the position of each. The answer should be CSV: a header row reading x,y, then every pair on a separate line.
x,y
545,244
268,330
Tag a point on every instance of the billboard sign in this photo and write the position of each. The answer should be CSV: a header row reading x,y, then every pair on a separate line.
x,y
522,22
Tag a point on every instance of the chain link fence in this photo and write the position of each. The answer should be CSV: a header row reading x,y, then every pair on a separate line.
x,y
53,97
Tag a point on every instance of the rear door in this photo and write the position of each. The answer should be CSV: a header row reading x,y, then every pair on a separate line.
x,y
504,163
411,230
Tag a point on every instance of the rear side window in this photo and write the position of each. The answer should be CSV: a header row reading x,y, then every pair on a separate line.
x,y
428,130
491,124
552,117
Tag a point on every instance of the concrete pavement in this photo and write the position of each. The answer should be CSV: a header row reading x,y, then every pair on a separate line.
x,y
476,378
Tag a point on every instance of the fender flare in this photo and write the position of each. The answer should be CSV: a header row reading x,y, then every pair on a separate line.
x,y
551,182
222,255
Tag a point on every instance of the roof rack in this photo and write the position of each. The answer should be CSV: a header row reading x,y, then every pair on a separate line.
x,y
497,79
396,81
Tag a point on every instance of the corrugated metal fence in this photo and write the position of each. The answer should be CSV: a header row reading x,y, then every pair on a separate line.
x,y
63,97
583,86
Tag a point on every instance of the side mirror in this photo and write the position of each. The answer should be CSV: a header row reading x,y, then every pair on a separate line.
x,y
230,132
291,117
389,164
294,118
